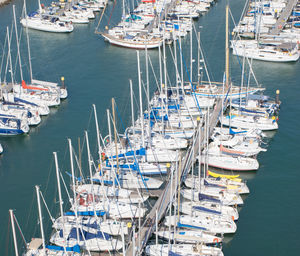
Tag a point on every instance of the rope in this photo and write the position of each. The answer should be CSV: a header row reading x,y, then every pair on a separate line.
x,y
22,235
111,12
134,154
52,219
96,29
189,78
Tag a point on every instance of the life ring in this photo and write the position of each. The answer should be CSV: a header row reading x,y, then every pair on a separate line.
x,y
216,240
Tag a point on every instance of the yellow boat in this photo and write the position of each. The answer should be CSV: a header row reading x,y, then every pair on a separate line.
x,y
231,177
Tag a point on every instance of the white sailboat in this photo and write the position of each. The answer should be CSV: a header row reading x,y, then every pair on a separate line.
x,y
252,49
210,195
91,224
242,187
191,208
189,236
250,122
99,241
182,250
202,210
208,223
231,162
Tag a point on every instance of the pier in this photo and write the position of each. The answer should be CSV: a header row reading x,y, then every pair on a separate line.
x,y
138,243
281,21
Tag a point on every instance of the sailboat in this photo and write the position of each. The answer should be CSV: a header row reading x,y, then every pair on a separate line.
x,y
250,122
10,125
43,22
230,185
189,236
182,249
207,223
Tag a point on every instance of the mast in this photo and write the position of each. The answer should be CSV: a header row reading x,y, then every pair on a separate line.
x,y
109,127
115,134
40,8
97,131
227,51
28,45
74,188
132,109
37,188
18,43
200,153
148,92
14,231
141,102
165,68
181,64
198,60
58,186
90,168
191,60
9,57
59,193
160,70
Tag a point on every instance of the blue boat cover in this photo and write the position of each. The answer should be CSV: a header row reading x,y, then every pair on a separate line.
x,y
84,235
174,254
75,248
232,132
32,14
180,225
139,152
208,198
203,209
86,213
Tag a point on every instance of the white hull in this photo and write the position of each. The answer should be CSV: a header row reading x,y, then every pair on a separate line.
x,y
133,44
47,26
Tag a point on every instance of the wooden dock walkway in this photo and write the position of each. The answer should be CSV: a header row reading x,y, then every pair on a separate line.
x,y
161,205
283,17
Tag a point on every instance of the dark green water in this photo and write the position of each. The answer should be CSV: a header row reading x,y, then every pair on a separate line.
x,y
95,72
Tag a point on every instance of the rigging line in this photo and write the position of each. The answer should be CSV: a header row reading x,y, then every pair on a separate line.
x,y
160,173
9,57
135,99
22,235
30,210
111,12
176,66
96,29
3,56
49,173
203,56
156,81
78,164
51,218
65,186
192,87
143,180
89,120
